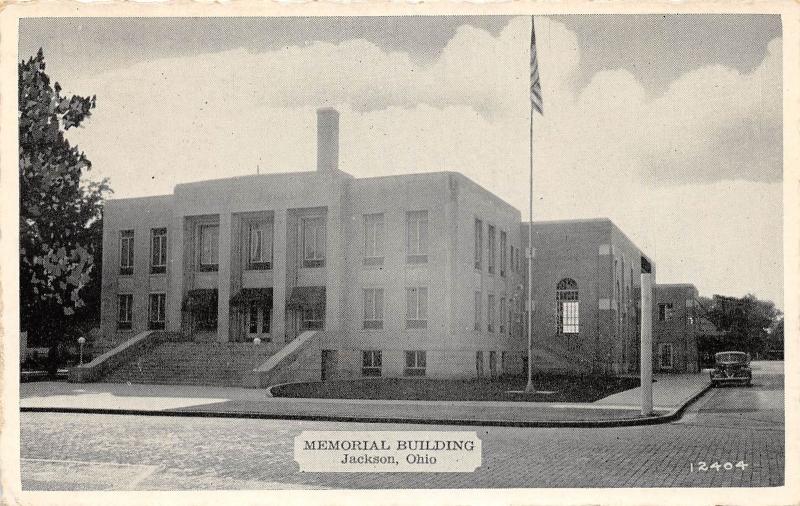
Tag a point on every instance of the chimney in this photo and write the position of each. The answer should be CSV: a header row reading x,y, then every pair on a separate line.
x,y
327,139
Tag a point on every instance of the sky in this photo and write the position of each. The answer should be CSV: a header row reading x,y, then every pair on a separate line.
x,y
671,126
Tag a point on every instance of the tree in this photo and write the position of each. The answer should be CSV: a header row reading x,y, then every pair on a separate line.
x,y
745,321
60,211
774,343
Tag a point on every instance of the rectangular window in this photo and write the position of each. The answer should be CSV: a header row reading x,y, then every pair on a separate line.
x,y
158,250
374,233
479,363
491,259
478,243
417,237
511,259
259,319
260,246
124,311
415,363
157,311
371,363
664,312
502,315
503,240
417,308
126,252
313,318
493,364
569,317
373,308
209,248
490,313
314,242
665,356
478,311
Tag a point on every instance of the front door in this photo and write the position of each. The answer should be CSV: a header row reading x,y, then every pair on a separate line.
x,y
329,360
258,322
665,356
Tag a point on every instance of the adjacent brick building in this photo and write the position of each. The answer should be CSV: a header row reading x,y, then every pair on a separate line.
x,y
586,295
676,327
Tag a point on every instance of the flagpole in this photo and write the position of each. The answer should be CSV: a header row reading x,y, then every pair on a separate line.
x,y
529,387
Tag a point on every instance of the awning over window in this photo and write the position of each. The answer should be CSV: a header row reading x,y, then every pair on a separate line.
x,y
247,296
304,297
201,299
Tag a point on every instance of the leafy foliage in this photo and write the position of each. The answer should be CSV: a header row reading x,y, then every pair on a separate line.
x,y
60,212
746,321
774,341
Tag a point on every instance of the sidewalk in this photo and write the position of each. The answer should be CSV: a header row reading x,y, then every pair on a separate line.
x,y
670,393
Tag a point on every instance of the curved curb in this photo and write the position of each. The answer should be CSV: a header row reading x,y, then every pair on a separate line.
x,y
623,422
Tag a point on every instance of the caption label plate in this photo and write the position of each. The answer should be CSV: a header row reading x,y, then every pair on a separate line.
x,y
387,451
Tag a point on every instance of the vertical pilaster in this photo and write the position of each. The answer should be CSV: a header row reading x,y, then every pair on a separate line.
x,y
141,277
450,270
334,261
279,261
224,278
175,242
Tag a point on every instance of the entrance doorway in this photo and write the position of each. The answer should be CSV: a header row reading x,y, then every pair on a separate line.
x,y
258,322
329,362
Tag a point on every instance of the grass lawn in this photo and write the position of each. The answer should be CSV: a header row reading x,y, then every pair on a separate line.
x,y
564,388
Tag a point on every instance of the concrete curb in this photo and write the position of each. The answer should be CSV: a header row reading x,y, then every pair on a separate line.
x,y
673,415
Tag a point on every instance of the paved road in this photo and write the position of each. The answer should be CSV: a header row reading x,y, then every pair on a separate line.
x,y
102,452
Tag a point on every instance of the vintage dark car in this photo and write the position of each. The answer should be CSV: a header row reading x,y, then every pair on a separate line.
x,y
731,367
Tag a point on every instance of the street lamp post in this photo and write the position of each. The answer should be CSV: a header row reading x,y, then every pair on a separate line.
x,y
81,342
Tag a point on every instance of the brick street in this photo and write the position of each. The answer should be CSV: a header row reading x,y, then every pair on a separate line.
x,y
105,452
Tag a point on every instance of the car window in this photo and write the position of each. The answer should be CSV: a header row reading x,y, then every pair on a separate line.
x,y
731,357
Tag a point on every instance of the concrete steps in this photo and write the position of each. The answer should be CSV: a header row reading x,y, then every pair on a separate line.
x,y
299,360
192,363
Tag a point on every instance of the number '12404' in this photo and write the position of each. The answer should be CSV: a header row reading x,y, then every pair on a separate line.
x,y
716,466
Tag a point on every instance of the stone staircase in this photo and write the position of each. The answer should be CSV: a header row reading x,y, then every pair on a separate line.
x,y
192,363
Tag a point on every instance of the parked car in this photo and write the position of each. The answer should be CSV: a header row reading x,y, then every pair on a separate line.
x,y
731,367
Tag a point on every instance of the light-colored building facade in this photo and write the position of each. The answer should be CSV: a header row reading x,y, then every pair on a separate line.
x,y
391,270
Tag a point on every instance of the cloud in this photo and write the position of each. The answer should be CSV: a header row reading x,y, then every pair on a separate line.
x,y
715,124
606,149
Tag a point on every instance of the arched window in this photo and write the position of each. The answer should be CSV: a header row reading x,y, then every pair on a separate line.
x,y
568,310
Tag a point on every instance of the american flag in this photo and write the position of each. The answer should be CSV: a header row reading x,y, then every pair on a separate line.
x,y
536,87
